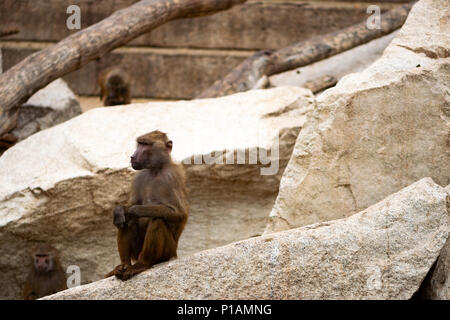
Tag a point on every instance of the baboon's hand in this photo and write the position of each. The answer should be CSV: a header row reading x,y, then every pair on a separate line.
x,y
132,213
119,217
132,216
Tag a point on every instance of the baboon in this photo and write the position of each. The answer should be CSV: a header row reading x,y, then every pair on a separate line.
x,y
151,224
114,87
46,274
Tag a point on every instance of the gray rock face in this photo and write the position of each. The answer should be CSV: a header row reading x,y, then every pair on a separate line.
x,y
375,132
64,193
49,106
383,252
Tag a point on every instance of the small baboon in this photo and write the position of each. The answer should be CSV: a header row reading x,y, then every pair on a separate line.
x,y
46,274
151,224
114,87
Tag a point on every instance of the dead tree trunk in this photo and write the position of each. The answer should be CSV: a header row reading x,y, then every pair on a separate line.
x,y
73,52
264,63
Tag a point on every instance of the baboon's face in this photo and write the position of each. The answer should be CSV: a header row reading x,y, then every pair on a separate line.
x,y
152,151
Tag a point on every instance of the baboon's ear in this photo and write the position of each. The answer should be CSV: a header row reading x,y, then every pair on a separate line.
x,y
169,145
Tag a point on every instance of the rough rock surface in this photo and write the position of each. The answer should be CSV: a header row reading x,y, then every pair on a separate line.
x,y
436,285
375,132
63,193
354,60
383,252
446,261
49,106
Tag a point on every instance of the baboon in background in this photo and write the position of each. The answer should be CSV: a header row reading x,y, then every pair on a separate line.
x,y
151,224
46,274
114,87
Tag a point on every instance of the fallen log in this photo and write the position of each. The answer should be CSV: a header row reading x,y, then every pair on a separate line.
x,y
39,69
320,84
265,63
339,65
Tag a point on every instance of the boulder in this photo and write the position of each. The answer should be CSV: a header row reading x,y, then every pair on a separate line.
x,y
60,185
49,106
383,252
375,132
436,285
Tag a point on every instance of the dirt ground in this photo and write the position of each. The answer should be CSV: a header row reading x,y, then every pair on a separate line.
x,y
88,103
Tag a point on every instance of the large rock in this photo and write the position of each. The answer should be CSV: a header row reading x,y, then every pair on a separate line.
x,y
383,252
436,285
60,184
377,131
48,107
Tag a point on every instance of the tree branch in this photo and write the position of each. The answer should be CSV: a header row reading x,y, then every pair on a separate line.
x,y
265,63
